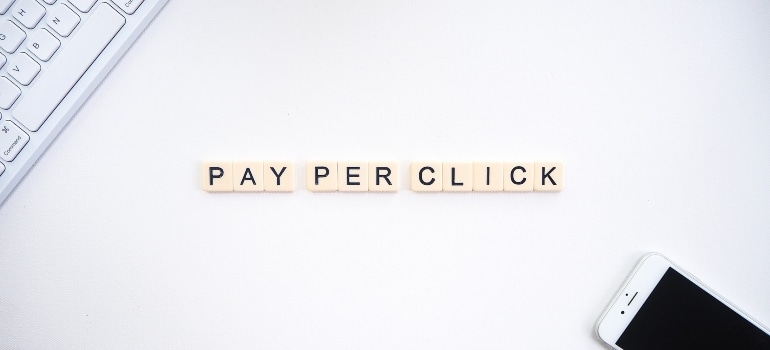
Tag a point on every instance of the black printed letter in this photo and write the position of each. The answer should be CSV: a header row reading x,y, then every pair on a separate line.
x,y
453,179
428,183
278,175
385,176
248,176
548,175
352,175
318,175
523,179
212,176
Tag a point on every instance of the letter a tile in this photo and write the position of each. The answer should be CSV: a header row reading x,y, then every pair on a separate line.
x,y
248,177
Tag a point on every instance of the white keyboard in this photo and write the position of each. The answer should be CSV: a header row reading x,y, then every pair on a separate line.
x,y
53,54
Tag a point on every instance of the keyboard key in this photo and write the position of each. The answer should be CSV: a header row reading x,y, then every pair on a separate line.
x,y
43,44
49,2
69,66
2,168
12,140
83,5
128,6
11,36
9,92
63,20
5,5
28,12
2,60
24,69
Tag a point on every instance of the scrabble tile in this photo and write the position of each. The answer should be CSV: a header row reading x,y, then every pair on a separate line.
x,y
383,176
549,176
488,176
353,176
458,176
321,176
217,176
426,176
279,176
248,177
518,176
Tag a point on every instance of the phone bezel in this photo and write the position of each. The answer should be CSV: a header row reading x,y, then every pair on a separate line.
x,y
639,284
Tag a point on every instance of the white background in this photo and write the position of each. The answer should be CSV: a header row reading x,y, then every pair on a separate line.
x,y
660,111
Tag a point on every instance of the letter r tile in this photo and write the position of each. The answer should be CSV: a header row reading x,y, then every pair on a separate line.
x,y
383,176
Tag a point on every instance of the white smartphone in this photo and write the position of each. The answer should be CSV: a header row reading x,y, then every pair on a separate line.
x,y
661,306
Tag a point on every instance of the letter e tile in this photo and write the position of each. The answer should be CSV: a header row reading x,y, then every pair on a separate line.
x,y
353,176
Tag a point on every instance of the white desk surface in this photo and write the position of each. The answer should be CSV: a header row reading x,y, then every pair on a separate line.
x,y
660,111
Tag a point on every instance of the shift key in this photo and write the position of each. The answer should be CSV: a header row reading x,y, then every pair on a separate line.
x,y
75,58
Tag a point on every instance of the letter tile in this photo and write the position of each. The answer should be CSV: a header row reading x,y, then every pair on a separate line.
x,y
248,177
426,177
217,176
383,176
458,176
549,176
518,176
353,176
321,176
488,176
279,176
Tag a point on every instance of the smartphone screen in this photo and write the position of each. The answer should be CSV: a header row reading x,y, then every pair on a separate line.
x,y
680,315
